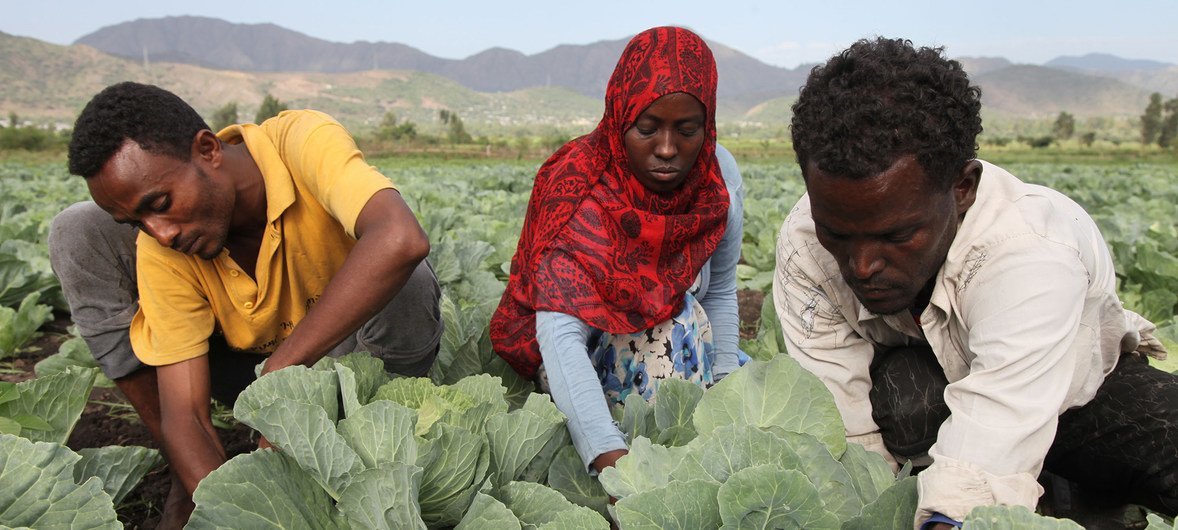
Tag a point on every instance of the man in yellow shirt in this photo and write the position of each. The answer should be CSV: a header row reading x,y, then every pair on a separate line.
x,y
205,253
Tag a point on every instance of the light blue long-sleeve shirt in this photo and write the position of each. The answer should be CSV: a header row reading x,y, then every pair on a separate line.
x,y
564,338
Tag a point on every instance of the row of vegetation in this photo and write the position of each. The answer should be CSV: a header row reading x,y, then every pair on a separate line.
x,y
1153,135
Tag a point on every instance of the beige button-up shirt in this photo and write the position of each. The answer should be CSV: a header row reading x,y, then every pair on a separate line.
x,y
1024,319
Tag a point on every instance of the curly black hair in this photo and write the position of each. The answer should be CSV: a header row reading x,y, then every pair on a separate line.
x,y
158,120
883,99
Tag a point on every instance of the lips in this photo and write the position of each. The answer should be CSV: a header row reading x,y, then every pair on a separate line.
x,y
185,247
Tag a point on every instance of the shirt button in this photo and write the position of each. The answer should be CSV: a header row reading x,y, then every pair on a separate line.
x,y
249,305
234,273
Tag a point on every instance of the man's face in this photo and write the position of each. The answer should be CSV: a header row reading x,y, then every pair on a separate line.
x,y
176,202
889,232
663,143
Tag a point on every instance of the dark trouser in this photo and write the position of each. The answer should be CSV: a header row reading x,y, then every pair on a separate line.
x,y
1121,445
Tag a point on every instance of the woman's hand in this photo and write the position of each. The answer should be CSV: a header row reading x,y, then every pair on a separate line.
x,y
608,459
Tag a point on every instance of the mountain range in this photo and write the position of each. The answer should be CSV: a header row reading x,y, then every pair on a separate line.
x,y
210,62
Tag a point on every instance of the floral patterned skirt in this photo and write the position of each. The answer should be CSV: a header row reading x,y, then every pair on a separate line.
x,y
678,348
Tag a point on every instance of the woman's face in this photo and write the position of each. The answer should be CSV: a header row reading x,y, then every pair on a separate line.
x,y
663,143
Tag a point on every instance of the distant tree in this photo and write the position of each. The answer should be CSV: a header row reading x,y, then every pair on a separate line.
x,y
456,131
1037,142
225,116
391,130
1064,127
13,119
1168,131
269,109
1151,120
1087,138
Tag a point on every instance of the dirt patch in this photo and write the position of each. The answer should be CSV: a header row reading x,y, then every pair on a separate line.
x,y
748,302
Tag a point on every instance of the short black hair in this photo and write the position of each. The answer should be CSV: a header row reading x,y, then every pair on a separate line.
x,y
158,120
883,99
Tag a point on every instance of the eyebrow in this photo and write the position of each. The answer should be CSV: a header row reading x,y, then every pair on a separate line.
x,y
890,231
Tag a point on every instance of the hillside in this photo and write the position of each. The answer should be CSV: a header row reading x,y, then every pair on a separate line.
x,y
583,69
1037,92
47,82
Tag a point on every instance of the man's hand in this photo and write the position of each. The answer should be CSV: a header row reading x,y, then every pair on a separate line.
x,y
191,442
390,243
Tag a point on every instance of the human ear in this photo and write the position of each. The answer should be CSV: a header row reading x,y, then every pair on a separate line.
x,y
965,186
206,146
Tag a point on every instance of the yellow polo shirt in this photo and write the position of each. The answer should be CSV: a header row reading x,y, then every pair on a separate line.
x,y
316,184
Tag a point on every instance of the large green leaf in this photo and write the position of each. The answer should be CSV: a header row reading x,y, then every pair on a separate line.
x,y
768,496
674,404
120,468
580,518
358,379
895,507
20,278
297,383
870,473
537,468
483,388
381,432
58,399
304,433
515,439
1013,518
569,476
647,467
486,512
9,426
73,352
456,462
835,484
537,505
39,489
778,393
263,489
368,374
384,498
19,325
689,505
729,449
638,418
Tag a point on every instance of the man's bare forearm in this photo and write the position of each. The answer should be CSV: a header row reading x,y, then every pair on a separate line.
x,y
390,245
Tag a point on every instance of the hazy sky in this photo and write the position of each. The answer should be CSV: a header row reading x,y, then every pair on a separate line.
x,y
775,31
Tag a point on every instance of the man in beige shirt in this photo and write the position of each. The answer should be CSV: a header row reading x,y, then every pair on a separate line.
x,y
962,318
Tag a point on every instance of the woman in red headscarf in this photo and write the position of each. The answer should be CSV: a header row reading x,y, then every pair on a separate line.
x,y
625,272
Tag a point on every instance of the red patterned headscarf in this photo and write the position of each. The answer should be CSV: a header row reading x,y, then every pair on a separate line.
x,y
596,244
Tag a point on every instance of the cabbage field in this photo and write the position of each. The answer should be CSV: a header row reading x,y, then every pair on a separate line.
x,y
473,447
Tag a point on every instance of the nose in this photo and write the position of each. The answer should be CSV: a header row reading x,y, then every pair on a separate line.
x,y
664,147
161,230
865,260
